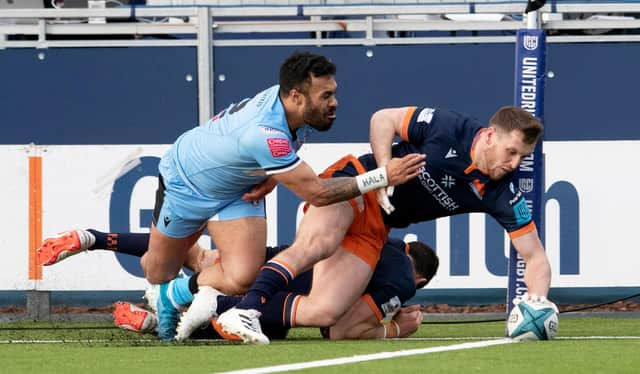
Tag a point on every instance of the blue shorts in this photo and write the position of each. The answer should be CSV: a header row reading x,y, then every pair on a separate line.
x,y
179,212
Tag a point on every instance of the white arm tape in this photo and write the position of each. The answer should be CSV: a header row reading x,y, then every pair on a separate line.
x,y
372,180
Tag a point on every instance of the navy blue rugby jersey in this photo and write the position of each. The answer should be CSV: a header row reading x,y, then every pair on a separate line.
x,y
450,183
393,281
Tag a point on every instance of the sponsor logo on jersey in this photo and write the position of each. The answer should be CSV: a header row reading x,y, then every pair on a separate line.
x,y
279,147
270,130
432,186
448,181
515,198
522,212
391,306
426,115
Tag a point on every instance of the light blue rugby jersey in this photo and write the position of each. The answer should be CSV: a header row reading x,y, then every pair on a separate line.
x,y
236,149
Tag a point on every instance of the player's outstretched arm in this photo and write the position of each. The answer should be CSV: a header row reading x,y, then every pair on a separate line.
x,y
537,274
304,182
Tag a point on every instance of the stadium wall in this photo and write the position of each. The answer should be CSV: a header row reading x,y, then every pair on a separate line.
x,y
93,122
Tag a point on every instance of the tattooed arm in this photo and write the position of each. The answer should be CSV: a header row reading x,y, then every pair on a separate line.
x,y
304,182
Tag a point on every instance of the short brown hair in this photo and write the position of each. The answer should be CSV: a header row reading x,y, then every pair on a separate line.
x,y
510,118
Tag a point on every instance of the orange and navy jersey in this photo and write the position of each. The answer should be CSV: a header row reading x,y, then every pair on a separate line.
x,y
391,284
450,184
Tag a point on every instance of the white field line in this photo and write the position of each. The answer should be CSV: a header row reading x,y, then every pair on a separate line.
x,y
70,341
498,337
369,357
595,337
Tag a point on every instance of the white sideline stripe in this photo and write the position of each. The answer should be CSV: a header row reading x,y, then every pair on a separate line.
x,y
497,337
89,341
595,337
369,357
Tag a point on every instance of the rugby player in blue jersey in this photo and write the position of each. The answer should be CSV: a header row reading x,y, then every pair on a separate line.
x,y
224,168
470,168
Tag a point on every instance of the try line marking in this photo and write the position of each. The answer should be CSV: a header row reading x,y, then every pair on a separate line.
x,y
370,357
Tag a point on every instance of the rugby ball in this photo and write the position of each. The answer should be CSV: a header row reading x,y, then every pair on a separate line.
x,y
532,320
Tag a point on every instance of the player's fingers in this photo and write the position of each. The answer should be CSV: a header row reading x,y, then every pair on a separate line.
x,y
411,174
383,201
414,157
390,190
416,161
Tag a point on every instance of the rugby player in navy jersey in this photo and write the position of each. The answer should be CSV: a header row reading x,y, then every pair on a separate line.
x,y
470,168
402,268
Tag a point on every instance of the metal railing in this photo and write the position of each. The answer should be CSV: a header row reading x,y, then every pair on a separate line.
x,y
311,24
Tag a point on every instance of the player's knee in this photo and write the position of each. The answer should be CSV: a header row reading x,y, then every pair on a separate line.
x,y
155,274
238,283
157,277
232,287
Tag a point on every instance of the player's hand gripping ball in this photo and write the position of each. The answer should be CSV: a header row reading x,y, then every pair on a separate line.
x,y
533,318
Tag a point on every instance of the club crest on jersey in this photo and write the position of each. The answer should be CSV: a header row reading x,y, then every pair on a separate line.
x,y
279,147
426,115
525,184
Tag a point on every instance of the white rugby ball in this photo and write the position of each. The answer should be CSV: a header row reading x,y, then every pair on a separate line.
x,y
532,320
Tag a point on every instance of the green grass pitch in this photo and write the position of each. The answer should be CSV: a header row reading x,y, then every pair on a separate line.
x,y
584,345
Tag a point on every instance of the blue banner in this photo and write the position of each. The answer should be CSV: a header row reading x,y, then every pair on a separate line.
x,y
529,95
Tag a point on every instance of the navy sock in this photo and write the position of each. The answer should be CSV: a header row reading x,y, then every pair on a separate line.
x,y
273,277
227,302
279,311
134,244
193,283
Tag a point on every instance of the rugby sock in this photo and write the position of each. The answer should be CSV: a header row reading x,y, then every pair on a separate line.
x,y
134,244
193,283
273,277
281,309
227,302
273,251
179,291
